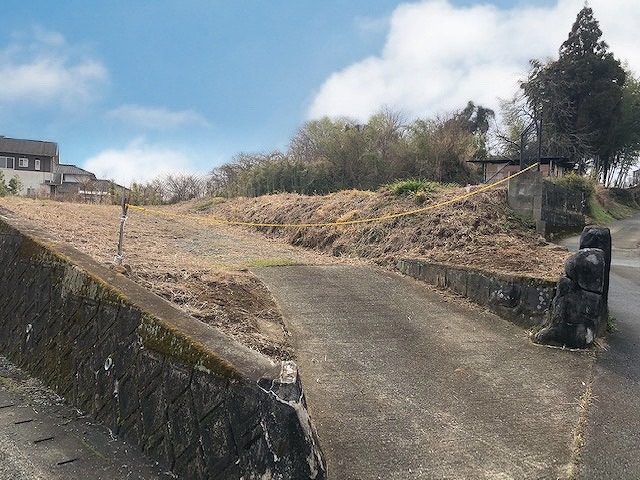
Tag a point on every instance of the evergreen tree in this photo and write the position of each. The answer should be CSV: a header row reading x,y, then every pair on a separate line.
x,y
3,186
579,96
15,185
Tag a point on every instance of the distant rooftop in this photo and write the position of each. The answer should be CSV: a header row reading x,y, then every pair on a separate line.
x,y
73,170
28,147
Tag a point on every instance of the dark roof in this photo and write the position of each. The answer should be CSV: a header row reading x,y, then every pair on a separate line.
x,y
561,161
28,147
73,170
104,184
495,160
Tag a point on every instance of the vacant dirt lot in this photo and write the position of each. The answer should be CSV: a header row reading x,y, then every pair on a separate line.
x,y
204,267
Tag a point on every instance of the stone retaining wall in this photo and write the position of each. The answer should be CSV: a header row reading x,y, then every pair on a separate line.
x,y
519,299
554,208
190,397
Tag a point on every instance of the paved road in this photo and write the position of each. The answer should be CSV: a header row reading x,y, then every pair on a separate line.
x,y
612,437
41,438
403,384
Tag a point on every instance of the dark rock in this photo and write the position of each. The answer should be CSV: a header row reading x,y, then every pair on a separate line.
x,y
574,317
587,269
507,296
594,236
579,310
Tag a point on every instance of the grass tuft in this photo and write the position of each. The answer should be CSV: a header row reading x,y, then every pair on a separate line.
x,y
209,203
272,262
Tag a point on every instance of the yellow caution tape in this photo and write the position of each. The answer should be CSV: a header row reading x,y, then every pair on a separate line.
x,y
331,224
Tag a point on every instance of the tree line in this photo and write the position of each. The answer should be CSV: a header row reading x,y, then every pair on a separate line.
x,y
586,104
327,155
583,107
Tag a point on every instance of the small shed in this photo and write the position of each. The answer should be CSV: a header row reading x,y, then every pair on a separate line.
x,y
498,168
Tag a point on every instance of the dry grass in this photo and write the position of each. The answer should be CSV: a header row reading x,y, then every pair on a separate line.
x,y
480,231
199,267
202,267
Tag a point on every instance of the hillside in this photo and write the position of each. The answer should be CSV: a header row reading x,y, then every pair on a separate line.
x,y
479,231
203,267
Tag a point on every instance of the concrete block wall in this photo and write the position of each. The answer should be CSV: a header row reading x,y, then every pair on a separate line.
x,y
553,207
190,397
523,300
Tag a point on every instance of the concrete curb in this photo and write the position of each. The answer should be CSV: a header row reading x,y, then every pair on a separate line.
x,y
522,300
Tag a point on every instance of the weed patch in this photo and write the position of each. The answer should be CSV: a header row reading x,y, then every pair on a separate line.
x,y
272,262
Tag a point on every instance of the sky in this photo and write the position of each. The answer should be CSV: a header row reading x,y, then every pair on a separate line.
x,y
135,89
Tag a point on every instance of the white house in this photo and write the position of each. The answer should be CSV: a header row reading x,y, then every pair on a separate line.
x,y
34,162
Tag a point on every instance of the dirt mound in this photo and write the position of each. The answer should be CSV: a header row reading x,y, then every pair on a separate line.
x,y
479,231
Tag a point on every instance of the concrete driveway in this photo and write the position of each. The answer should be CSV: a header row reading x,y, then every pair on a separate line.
x,y
405,383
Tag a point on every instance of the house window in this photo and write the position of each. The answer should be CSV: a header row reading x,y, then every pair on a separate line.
x,y
37,164
23,162
6,162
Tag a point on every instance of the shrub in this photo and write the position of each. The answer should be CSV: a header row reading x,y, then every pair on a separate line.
x,y
412,186
586,185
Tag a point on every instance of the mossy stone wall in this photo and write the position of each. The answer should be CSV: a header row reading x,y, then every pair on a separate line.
x,y
187,395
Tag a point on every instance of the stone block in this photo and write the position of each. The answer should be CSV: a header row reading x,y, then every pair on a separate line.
x,y
216,441
456,280
243,404
131,429
149,365
594,236
157,446
508,295
126,354
128,320
154,407
128,398
108,315
478,287
183,427
208,393
434,274
105,401
176,380
85,385
88,337
192,461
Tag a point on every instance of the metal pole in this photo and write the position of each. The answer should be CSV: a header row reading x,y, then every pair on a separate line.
x,y
125,207
539,127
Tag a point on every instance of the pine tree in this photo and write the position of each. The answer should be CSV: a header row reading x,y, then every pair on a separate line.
x,y
579,96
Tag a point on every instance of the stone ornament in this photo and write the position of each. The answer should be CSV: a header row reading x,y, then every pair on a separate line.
x,y
580,307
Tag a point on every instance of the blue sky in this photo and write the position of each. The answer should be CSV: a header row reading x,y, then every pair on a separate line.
x,y
135,89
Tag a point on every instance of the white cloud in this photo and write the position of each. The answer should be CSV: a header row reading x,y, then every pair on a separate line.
x,y
152,118
140,162
43,70
438,56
